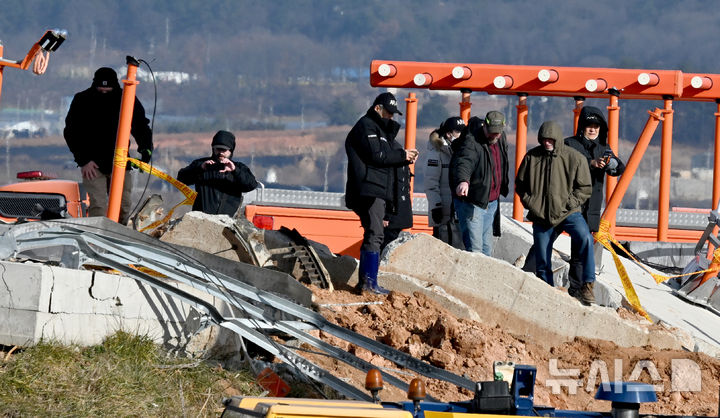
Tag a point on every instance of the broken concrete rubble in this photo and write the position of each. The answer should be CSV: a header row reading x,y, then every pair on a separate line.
x,y
502,294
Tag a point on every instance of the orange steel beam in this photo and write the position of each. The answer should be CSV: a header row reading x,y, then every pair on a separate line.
x,y
122,142
465,106
716,161
410,133
579,103
632,165
612,139
534,80
665,164
520,148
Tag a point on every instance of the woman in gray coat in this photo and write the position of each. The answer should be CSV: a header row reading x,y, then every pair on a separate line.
x,y
441,215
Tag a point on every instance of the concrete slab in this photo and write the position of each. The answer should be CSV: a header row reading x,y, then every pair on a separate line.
x,y
502,294
40,302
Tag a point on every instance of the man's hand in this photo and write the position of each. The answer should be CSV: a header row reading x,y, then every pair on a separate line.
x,y
229,165
89,171
145,155
411,155
599,163
462,189
385,223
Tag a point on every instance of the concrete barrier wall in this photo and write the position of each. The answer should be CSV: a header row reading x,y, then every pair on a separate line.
x,y
40,302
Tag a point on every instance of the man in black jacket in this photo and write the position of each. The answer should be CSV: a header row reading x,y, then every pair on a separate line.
x,y
90,131
478,177
590,140
371,181
219,181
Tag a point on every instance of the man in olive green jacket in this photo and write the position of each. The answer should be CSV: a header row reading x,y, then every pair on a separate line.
x,y
553,182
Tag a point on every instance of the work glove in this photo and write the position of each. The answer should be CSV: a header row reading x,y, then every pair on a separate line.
x,y
145,155
611,164
437,215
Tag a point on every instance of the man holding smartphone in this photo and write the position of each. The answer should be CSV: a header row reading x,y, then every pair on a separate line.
x,y
219,181
591,141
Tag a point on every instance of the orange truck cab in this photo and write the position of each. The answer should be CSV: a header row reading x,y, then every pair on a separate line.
x,y
40,193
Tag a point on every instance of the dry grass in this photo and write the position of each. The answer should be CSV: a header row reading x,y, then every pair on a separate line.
x,y
124,376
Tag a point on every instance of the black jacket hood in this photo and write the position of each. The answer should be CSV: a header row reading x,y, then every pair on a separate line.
x,y
592,114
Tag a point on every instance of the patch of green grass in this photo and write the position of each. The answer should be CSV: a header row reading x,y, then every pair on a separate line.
x,y
126,375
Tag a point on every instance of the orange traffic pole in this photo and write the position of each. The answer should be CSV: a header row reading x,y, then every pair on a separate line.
x,y
632,165
520,148
613,125
665,162
411,132
465,105
123,140
579,103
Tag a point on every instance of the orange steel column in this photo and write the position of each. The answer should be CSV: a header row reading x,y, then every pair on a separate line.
x,y
632,165
665,162
410,133
123,140
613,125
2,67
520,148
716,166
579,103
465,105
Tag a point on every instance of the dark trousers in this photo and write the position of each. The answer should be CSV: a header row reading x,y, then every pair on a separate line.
x,y
581,240
371,211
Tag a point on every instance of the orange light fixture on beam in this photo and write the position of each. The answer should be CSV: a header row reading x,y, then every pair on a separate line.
x,y
503,82
422,79
387,70
648,79
596,85
548,76
461,72
701,83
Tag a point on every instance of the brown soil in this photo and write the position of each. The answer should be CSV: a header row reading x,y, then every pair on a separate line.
x,y
417,325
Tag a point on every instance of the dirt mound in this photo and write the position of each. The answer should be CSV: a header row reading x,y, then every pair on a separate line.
x,y
568,374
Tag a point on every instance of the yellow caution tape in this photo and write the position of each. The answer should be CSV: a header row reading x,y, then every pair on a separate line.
x,y
603,236
189,193
121,158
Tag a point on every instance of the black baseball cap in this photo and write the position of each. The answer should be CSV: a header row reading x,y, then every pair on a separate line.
x,y
388,101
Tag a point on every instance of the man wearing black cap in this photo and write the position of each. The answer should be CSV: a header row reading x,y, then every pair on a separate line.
x,y
90,131
478,177
371,190
590,140
441,212
219,181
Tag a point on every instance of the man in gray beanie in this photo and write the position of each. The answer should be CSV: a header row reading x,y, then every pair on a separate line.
x,y
553,183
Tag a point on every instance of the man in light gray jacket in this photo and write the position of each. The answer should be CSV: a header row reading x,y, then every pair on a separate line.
x,y
441,214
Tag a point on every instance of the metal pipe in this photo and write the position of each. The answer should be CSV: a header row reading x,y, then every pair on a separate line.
x,y
410,133
613,124
123,140
665,164
579,102
520,148
632,165
716,162
465,105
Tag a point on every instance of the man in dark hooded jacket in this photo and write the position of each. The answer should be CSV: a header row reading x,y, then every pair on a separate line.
x,y
478,178
590,140
219,181
553,182
90,131
371,181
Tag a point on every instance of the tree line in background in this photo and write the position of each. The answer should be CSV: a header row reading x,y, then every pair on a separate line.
x,y
255,62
